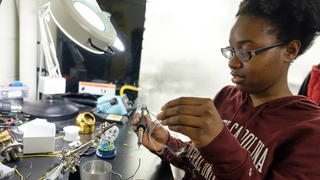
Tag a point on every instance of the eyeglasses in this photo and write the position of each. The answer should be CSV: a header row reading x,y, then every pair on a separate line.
x,y
244,55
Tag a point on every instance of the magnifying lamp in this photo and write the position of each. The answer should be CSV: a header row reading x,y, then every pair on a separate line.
x,y
84,23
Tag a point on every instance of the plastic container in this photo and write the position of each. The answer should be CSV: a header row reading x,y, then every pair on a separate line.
x,y
96,170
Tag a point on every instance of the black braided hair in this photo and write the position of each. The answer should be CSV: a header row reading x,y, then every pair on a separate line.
x,y
292,19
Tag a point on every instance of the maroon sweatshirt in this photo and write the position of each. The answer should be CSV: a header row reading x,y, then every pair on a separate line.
x,y
276,140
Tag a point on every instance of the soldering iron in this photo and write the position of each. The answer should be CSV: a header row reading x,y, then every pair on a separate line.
x,y
141,127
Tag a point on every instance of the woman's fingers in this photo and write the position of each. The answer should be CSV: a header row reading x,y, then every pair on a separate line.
x,y
186,130
182,120
194,117
194,110
193,101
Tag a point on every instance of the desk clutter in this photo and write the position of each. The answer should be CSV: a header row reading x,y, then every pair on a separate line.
x,y
34,134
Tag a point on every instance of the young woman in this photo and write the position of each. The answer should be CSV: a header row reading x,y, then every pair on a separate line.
x,y
257,129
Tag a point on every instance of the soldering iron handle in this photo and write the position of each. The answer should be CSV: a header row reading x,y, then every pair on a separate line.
x,y
142,123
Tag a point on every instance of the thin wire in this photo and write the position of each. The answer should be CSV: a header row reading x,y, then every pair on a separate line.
x,y
119,175
50,172
150,130
16,170
153,122
135,171
178,153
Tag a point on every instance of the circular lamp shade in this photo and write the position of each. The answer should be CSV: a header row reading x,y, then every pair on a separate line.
x,y
85,24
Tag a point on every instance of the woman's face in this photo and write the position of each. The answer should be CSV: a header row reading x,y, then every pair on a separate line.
x,y
262,72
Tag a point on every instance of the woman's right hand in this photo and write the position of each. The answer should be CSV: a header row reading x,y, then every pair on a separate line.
x,y
157,138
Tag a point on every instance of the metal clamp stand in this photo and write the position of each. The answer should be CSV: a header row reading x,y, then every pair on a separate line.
x,y
69,160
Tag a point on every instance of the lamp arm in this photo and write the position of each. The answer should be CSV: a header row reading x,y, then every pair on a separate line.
x,y
47,45
44,50
53,50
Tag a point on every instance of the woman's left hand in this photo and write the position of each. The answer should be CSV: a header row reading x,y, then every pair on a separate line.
x,y
194,117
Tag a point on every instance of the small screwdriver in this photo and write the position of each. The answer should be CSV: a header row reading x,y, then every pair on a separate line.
x,y
142,125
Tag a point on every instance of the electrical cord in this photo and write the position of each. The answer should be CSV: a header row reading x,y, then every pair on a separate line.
x,y
58,137
48,173
21,176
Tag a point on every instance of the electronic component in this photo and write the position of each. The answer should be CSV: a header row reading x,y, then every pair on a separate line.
x,y
13,92
104,104
10,107
111,109
10,138
11,97
141,127
12,151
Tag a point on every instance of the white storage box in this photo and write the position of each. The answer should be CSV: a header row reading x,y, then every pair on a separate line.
x,y
51,85
38,136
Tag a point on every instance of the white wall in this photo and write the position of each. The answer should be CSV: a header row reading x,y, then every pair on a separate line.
x,y
9,46
181,50
28,13
18,43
